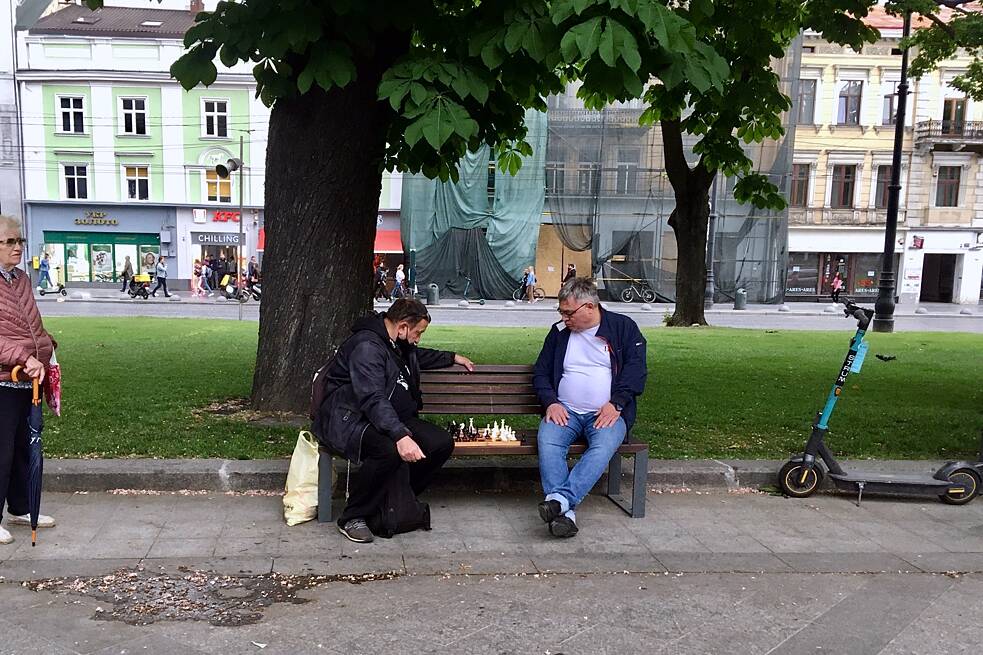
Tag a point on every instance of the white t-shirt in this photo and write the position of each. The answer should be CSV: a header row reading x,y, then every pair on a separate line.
x,y
400,276
586,382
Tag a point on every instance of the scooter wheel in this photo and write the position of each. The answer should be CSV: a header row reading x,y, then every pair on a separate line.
x,y
969,480
41,291
64,292
791,483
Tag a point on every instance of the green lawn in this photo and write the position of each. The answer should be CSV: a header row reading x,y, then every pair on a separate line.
x,y
131,387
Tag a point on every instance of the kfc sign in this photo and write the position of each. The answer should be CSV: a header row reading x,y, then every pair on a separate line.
x,y
225,217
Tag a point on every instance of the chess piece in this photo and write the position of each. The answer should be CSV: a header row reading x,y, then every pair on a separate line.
x,y
495,432
472,431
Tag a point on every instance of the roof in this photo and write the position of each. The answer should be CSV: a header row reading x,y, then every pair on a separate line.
x,y
884,21
133,22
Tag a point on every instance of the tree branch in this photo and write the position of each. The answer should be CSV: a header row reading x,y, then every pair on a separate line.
x,y
672,145
945,27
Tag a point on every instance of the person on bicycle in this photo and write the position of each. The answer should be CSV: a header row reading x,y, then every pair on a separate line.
x,y
530,285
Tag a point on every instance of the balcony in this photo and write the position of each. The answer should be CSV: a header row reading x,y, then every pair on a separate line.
x,y
950,135
828,216
587,118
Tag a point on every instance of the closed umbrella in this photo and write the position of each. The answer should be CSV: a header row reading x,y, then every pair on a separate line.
x,y
35,464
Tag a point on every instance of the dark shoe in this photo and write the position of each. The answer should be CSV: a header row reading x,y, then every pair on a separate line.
x,y
356,530
549,510
563,527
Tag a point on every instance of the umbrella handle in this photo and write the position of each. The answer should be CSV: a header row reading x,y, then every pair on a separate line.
x,y
15,372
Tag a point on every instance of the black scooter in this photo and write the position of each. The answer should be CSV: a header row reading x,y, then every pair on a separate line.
x,y
956,483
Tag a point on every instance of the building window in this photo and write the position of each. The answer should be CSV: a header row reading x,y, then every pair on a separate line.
x,y
137,182
848,107
76,182
490,184
947,192
555,177
216,118
627,173
881,191
588,173
133,113
889,115
807,102
844,181
953,115
72,111
799,193
218,190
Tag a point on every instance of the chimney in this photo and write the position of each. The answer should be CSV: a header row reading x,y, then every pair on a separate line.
x,y
196,6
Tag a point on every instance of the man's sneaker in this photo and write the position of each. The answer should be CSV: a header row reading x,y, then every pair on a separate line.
x,y
356,530
549,510
25,519
5,537
563,526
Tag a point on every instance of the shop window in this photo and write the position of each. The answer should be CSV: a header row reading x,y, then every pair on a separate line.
x,y
807,102
802,276
947,191
133,116
799,192
102,263
137,182
881,192
77,259
71,110
76,181
215,118
848,106
844,182
218,189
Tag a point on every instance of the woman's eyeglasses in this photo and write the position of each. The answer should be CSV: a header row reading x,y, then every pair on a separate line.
x,y
10,243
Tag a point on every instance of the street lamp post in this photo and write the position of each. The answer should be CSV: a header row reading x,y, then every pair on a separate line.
x,y
884,307
223,171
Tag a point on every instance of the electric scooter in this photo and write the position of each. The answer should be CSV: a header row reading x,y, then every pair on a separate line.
x,y
955,483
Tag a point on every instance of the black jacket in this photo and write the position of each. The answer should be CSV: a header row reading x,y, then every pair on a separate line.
x,y
361,382
628,368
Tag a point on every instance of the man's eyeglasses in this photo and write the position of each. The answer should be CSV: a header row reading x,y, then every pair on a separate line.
x,y
568,313
10,243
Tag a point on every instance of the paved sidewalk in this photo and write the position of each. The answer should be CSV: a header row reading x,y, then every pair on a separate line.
x,y
703,573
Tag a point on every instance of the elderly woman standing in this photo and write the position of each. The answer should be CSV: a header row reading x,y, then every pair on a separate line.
x,y
23,342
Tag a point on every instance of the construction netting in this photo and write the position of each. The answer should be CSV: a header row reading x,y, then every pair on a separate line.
x,y
597,180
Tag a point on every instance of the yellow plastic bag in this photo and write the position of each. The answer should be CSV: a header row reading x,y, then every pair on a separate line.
x,y
300,501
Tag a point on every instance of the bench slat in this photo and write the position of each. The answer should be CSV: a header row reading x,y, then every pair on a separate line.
x,y
480,378
480,399
487,408
457,387
484,368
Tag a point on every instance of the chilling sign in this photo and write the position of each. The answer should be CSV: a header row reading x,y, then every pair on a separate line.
x,y
215,238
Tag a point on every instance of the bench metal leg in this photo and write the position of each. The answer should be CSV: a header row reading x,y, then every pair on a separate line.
x,y
636,509
325,486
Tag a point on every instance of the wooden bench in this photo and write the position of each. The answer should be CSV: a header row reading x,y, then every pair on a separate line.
x,y
504,390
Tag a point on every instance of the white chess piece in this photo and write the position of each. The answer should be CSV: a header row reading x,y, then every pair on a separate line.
x,y
495,432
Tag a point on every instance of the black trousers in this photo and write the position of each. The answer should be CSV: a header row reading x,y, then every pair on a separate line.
x,y
14,406
380,460
161,282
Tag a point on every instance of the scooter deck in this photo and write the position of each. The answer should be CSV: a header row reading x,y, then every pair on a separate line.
x,y
890,483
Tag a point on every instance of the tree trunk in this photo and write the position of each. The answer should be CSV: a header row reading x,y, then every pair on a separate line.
x,y
689,223
323,179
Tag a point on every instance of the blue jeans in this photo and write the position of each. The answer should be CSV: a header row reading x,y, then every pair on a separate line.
x,y
569,487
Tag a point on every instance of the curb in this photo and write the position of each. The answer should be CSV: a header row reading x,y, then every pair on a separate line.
x,y
462,474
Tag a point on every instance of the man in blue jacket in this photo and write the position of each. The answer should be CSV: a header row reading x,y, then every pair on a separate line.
x,y
591,369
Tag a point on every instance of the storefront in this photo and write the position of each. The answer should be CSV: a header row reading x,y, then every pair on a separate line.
x,y
90,244
810,275
214,232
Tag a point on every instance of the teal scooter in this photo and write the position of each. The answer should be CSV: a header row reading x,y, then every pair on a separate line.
x,y
956,483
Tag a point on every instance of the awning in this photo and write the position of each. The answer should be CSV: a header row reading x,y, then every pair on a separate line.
x,y
388,241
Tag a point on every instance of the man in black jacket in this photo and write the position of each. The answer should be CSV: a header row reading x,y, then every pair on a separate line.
x,y
370,412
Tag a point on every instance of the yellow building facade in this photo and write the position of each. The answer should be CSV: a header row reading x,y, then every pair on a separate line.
x,y
845,118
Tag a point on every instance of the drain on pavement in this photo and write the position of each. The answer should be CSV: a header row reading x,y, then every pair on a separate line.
x,y
141,597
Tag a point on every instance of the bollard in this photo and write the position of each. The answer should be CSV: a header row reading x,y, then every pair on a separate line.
x,y
740,299
433,294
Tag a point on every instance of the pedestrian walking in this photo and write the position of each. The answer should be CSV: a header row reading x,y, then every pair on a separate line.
x,y
399,290
837,285
206,274
127,273
531,285
161,271
196,290
380,283
571,272
23,342
45,272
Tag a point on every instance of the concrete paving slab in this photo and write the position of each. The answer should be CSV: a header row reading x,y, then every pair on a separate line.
x,y
722,562
847,562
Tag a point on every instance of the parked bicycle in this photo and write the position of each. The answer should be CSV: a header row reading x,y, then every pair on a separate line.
x,y
638,290
537,294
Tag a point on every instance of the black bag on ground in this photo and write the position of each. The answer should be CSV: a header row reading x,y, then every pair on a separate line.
x,y
401,511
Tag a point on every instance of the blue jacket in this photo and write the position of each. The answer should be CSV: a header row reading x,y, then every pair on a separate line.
x,y
628,367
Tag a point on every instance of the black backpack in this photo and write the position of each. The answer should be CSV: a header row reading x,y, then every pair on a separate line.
x,y
400,511
319,387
